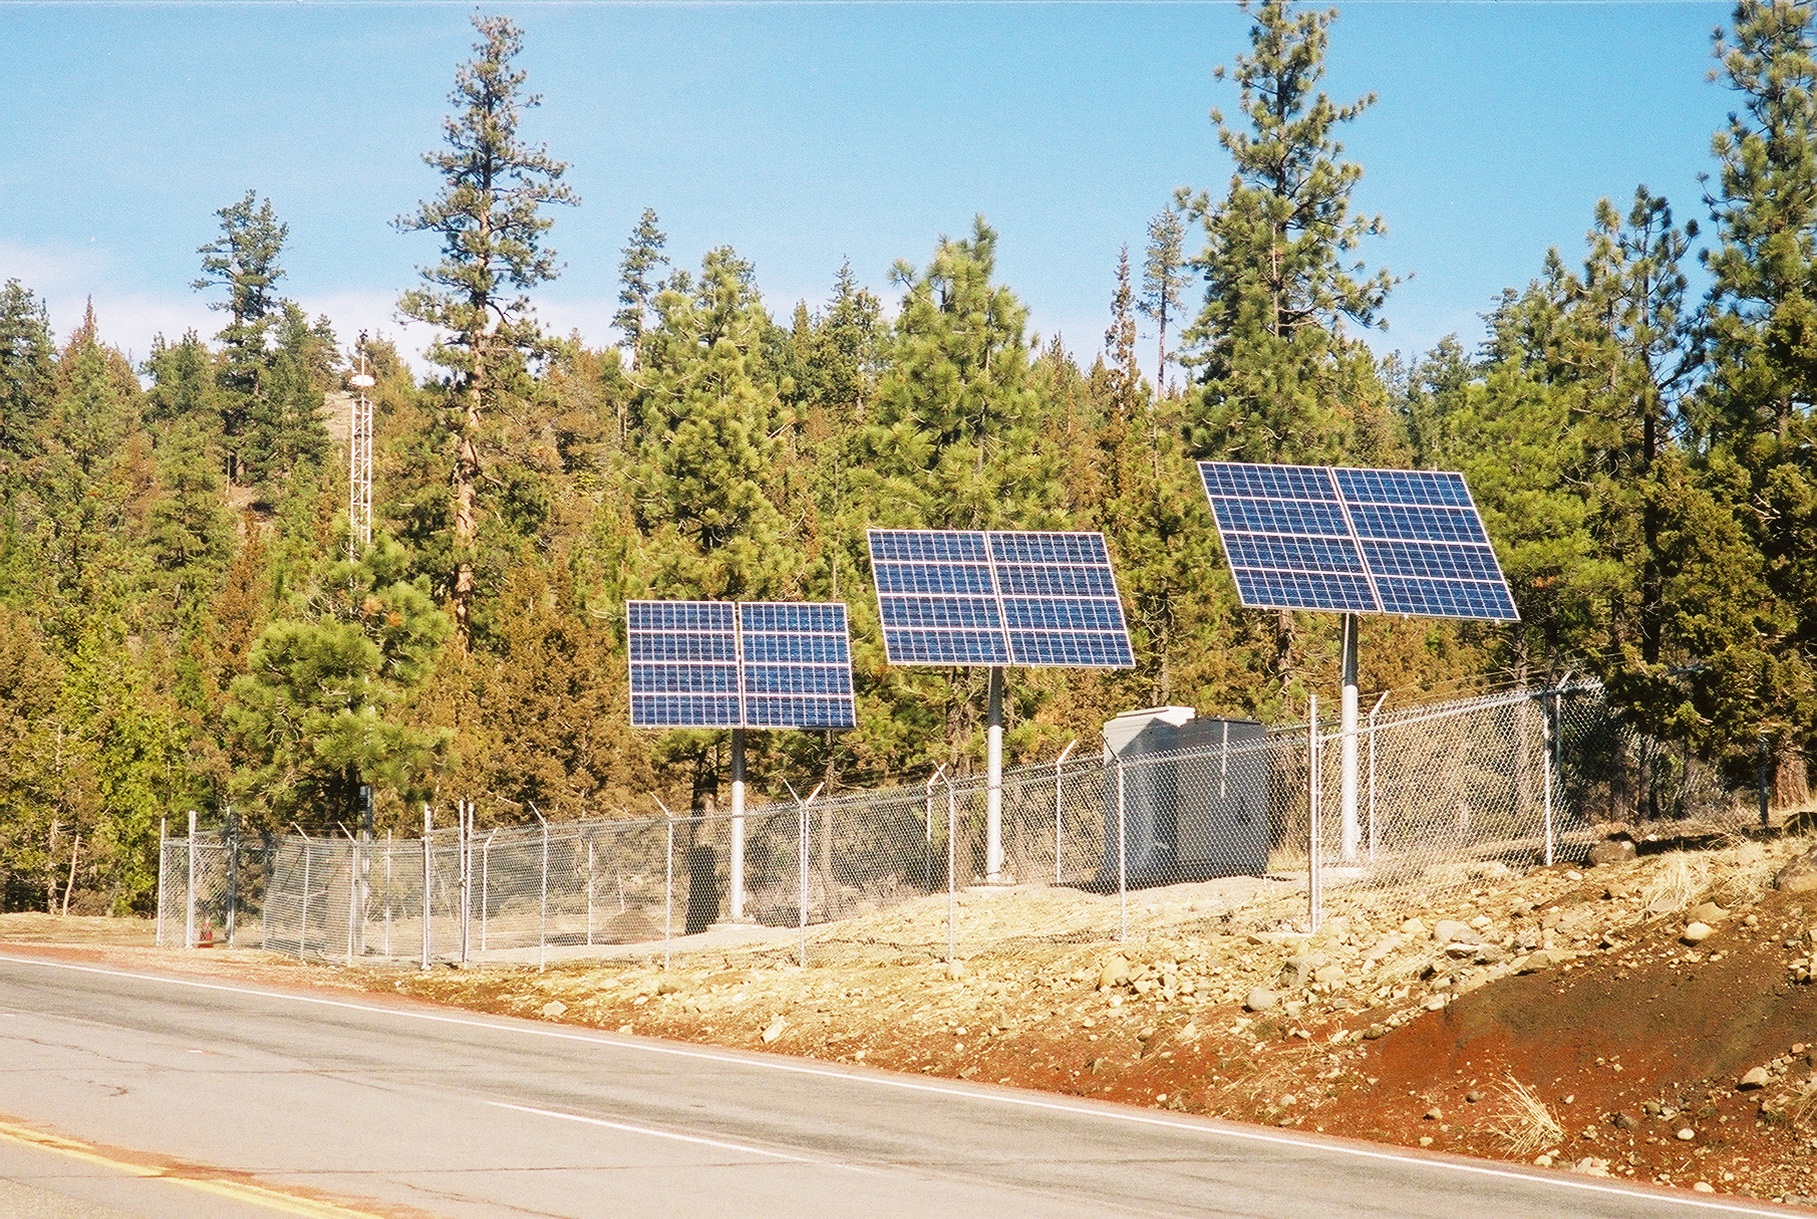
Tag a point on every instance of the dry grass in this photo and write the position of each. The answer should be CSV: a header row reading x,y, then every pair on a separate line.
x,y
1527,1125
1802,1112
1677,883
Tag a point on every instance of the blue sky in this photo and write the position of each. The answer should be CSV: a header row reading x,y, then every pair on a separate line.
x,y
804,134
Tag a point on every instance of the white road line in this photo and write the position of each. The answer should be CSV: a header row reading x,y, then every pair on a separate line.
x,y
1205,1126
653,1132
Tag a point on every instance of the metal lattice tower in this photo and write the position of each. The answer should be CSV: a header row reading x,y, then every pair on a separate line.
x,y
359,461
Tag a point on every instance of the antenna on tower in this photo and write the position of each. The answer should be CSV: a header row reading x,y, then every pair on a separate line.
x,y
359,459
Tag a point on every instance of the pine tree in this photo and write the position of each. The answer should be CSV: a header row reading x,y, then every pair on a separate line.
x,y
26,356
1751,418
640,278
244,261
490,218
1164,279
1279,380
315,710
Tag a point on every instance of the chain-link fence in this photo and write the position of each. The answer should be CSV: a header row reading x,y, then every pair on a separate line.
x,y
1250,829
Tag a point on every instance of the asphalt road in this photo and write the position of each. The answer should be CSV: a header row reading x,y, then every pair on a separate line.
x,y
387,1105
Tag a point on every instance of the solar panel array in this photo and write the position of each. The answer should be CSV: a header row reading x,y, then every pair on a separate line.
x,y
720,664
1361,541
970,597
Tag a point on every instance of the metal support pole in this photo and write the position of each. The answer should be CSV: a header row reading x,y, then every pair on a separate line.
x,y
365,860
388,892
1314,882
1347,725
1372,711
542,926
428,876
589,890
163,842
735,853
466,849
1058,763
189,900
993,795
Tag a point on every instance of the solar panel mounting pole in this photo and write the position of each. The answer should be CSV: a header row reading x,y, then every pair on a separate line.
x,y
1347,724
735,864
993,797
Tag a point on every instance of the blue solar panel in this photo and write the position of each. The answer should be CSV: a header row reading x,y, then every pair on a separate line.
x,y
715,664
797,665
1360,541
977,598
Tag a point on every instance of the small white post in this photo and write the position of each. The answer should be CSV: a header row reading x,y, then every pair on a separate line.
x,y
993,795
163,842
1058,797
1347,708
735,852
189,901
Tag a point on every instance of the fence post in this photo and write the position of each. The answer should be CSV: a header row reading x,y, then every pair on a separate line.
x,y
952,871
1122,857
589,889
189,898
801,853
353,887
1058,763
163,842
1548,712
233,878
668,893
303,924
463,816
542,908
388,895
428,824
1314,898
1372,711
485,886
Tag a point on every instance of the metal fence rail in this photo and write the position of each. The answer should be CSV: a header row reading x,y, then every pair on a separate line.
x,y
1096,848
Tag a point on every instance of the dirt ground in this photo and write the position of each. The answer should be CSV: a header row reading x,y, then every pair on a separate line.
x,y
1651,1019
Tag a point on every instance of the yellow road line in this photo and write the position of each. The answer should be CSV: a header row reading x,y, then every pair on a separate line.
x,y
196,1179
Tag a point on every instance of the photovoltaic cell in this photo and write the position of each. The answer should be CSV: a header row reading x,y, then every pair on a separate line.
x,y
717,664
797,665
1361,541
998,598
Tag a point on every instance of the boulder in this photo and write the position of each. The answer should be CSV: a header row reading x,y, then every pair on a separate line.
x,y
1798,876
1708,912
1450,931
1697,933
1611,851
1298,970
1260,999
774,1030
1114,972
553,1009
1757,1077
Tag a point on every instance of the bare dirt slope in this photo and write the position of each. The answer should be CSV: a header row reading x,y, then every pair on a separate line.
x,y
1650,1019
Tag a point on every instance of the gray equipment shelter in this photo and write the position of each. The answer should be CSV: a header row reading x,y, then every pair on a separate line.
x,y
1194,797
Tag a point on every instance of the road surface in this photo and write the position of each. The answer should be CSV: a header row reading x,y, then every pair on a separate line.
x,y
248,1101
